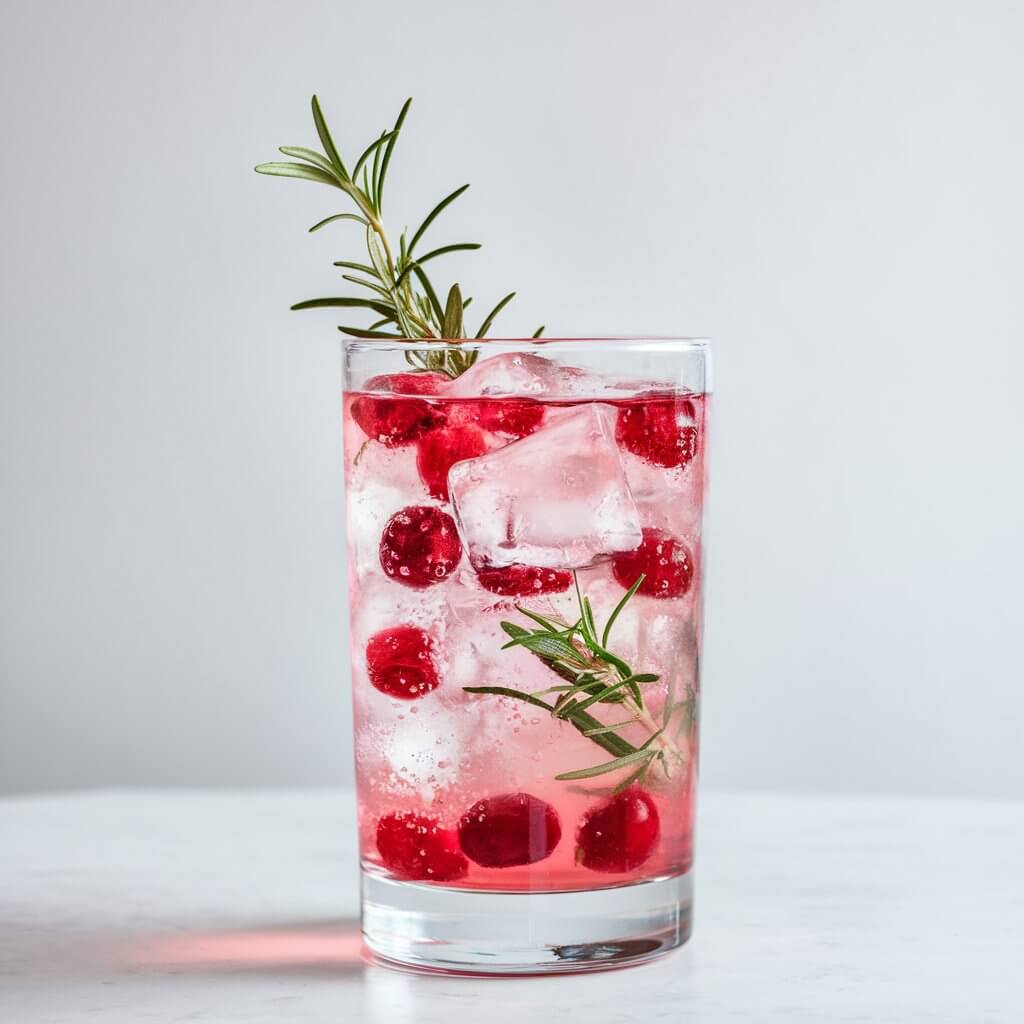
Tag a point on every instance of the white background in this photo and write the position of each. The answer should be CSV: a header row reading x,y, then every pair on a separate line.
x,y
830,190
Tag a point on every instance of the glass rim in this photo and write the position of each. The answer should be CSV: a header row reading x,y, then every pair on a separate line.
x,y
644,341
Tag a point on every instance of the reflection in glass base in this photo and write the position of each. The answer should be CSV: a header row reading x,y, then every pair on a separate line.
x,y
524,933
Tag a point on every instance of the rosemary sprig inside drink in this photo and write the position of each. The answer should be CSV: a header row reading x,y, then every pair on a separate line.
x,y
595,678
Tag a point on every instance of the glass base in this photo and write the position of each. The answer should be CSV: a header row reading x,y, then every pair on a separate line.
x,y
482,932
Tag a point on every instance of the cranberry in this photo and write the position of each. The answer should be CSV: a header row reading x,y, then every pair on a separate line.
x,y
428,383
514,417
620,834
665,561
415,847
439,450
508,830
420,546
400,420
650,428
400,662
520,580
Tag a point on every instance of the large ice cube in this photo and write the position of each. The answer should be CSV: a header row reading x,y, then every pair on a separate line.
x,y
556,499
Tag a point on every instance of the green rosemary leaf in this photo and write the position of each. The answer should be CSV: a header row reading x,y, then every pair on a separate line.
x,y
618,608
583,625
372,285
537,333
381,323
554,627
339,216
444,249
325,138
650,739
489,319
451,324
505,691
362,332
305,171
432,298
588,617
361,267
458,247
310,156
367,153
344,302
609,766
373,175
433,214
513,630
545,645
603,695
387,151
610,728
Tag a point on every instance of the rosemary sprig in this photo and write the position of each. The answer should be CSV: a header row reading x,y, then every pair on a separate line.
x,y
579,653
401,296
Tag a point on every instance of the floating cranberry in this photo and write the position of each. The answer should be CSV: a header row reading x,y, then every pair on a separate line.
x,y
415,847
520,580
400,662
665,561
513,417
439,450
395,421
509,830
420,546
651,429
620,834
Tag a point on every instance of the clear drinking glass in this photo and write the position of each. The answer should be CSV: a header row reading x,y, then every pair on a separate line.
x,y
525,571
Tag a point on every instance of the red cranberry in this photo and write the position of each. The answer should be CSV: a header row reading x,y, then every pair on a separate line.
x,y
514,417
665,561
509,830
520,580
420,546
650,428
415,847
400,662
620,834
439,450
395,421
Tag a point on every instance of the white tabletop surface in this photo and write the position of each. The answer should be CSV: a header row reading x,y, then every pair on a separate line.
x,y
199,906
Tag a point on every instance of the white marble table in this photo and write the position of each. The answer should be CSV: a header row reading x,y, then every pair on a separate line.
x,y
221,907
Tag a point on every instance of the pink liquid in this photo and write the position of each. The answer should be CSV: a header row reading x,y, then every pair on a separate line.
x,y
438,752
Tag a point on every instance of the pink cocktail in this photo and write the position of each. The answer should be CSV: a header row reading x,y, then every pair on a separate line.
x,y
525,570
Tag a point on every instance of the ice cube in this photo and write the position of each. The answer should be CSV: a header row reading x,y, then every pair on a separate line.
x,y
510,373
557,499
523,374
383,481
